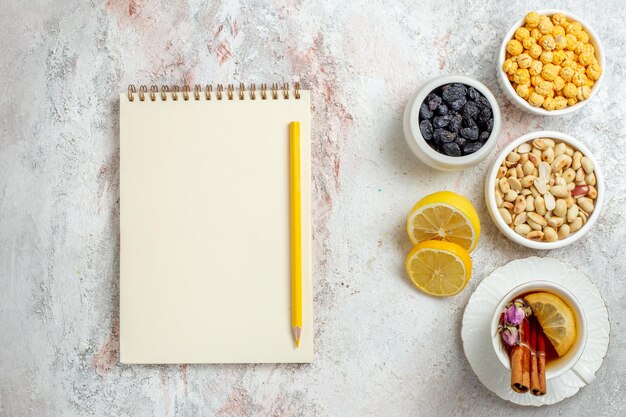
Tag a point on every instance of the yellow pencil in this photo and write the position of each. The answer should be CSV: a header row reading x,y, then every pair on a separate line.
x,y
296,231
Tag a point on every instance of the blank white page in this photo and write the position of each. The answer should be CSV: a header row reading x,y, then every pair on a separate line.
x,y
205,232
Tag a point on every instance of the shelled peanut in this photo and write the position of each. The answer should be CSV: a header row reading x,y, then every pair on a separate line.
x,y
545,190
551,62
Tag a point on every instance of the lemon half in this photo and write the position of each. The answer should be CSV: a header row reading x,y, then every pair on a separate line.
x,y
439,268
445,216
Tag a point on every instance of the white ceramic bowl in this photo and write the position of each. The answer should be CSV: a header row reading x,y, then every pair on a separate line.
x,y
519,102
492,207
422,149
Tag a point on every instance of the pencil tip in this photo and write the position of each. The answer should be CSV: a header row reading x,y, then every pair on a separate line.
x,y
296,335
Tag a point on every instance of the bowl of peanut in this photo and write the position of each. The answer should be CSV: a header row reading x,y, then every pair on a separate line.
x,y
550,63
545,190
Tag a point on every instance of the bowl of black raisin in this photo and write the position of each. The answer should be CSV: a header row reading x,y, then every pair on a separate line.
x,y
452,122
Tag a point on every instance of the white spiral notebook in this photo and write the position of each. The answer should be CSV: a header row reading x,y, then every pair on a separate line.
x,y
205,263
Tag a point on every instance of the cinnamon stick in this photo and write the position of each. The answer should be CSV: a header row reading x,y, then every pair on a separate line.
x,y
520,363
525,341
534,371
541,362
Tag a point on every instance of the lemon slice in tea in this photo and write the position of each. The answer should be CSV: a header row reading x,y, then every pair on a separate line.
x,y
556,319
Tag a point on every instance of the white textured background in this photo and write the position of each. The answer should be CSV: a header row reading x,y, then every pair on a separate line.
x,y
382,348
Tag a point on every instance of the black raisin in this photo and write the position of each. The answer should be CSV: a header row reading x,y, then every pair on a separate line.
x,y
458,104
484,116
471,147
442,110
433,101
483,102
425,112
461,87
452,93
467,122
472,93
484,136
441,121
443,136
470,109
489,125
451,149
470,133
455,123
426,128
460,140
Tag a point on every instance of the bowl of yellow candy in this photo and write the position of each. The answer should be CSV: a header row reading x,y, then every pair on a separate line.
x,y
550,63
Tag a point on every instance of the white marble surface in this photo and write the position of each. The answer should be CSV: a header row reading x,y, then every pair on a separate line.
x,y
382,348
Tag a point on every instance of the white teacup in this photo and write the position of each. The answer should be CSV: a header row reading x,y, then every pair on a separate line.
x,y
561,365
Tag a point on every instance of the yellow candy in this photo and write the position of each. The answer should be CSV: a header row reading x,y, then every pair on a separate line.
x,y
569,55
524,60
532,19
535,100
535,68
514,47
574,28
509,66
549,103
558,57
547,42
571,101
569,63
580,47
586,58
550,71
536,79
546,57
594,71
558,31
589,48
558,83
583,93
535,33
528,42
560,103
559,19
521,76
583,36
522,91
521,34
545,25
559,42
570,90
567,73
579,79
544,88
535,51
572,41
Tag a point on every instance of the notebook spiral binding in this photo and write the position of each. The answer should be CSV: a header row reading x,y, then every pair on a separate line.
x,y
198,93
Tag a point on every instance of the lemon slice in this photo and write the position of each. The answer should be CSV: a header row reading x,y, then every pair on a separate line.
x,y
439,268
556,320
444,216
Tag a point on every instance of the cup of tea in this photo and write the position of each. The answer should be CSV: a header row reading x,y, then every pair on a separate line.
x,y
555,365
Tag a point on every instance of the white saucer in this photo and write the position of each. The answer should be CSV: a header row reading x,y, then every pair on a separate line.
x,y
479,312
